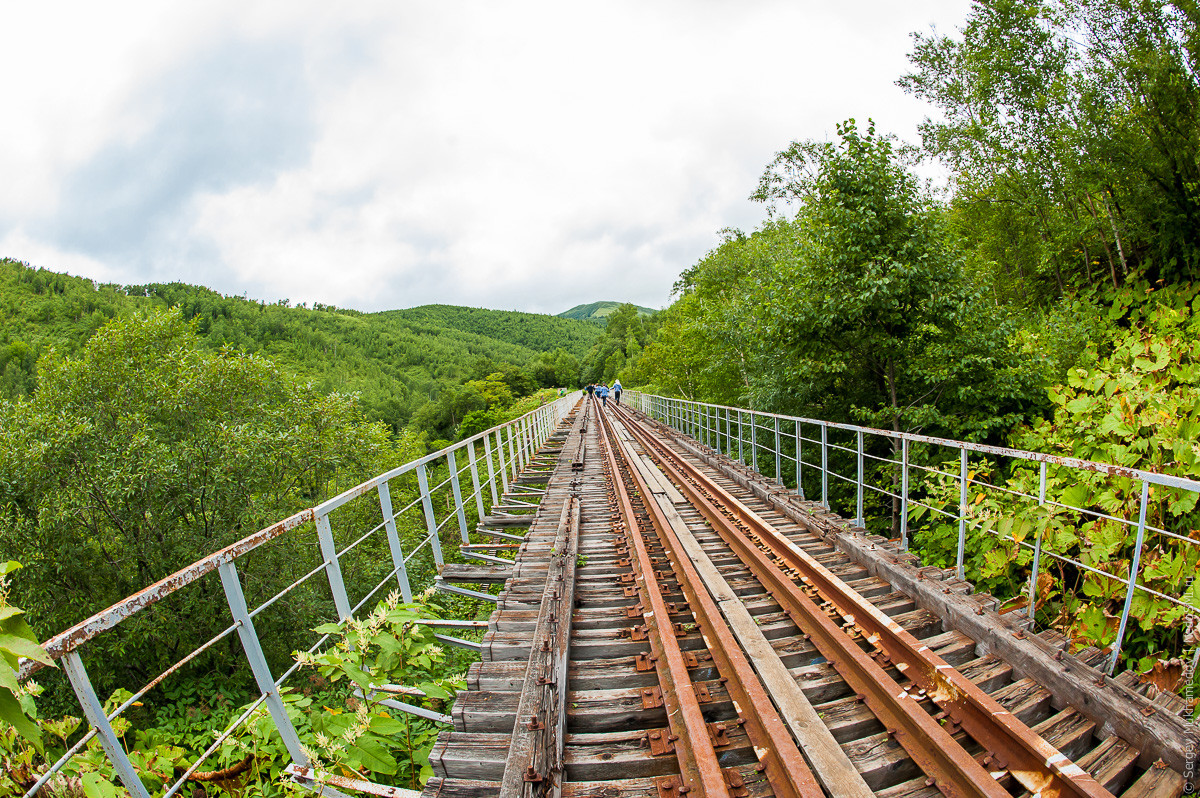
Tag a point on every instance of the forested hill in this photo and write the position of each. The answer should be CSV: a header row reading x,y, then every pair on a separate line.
x,y
397,361
600,311
535,331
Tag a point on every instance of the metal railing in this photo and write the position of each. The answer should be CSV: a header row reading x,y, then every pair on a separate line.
x,y
503,451
808,451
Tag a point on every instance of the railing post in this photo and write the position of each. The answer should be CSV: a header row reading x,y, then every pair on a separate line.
x,y
499,466
1133,575
333,568
717,429
430,518
393,537
93,710
799,457
778,454
452,461
962,513
753,443
513,465
1037,546
741,435
858,504
258,662
476,487
904,494
824,465
526,442
526,437
523,440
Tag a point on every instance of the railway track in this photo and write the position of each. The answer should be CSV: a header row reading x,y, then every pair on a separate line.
x,y
665,632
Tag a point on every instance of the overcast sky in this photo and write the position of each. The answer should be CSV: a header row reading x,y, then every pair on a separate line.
x,y
375,155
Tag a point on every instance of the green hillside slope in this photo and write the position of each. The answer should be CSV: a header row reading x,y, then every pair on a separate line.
x,y
396,361
534,331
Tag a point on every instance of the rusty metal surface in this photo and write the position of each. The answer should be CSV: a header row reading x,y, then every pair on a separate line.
x,y
700,769
1031,760
784,764
314,780
80,633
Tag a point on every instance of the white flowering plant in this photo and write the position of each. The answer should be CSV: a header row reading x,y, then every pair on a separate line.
x,y
385,656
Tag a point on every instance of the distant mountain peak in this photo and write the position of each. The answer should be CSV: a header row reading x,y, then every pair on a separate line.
x,y
596,311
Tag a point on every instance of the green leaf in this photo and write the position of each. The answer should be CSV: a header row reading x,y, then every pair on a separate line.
x,y
23,647
359,677
13,715
432,690
373,755
96,786
386,726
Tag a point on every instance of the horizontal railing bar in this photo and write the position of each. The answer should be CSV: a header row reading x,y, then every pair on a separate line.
x,y
374,590
420,546
447,587
106,619
1167,480
930,507
379,526
459,642
288,589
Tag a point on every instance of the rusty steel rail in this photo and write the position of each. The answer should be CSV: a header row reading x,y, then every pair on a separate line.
x,y
1011,746
779,756
700,769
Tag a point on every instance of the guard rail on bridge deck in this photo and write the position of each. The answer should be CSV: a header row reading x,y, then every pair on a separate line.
x,y
503,451
789,445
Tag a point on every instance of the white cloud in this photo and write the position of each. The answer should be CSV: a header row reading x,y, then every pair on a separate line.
x,y
513,155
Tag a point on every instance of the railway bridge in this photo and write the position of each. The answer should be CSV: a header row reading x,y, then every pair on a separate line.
x,y
669,603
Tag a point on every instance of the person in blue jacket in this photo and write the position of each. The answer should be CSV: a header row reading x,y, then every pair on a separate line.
x,y
617,391
602,392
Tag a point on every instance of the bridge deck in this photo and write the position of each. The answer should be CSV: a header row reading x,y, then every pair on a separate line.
x,y
601,659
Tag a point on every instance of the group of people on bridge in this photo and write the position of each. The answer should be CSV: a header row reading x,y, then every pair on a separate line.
x,y
602,391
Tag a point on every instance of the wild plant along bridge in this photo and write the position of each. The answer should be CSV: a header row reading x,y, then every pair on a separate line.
x,y
683,613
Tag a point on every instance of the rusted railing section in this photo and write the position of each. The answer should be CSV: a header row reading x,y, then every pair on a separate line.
x,y
503,450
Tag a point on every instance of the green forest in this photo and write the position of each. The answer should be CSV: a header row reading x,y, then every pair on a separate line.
x,y
395,362
1045,298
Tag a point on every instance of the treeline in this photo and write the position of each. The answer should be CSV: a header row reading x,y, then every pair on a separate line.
x,y
1048,303
396,362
